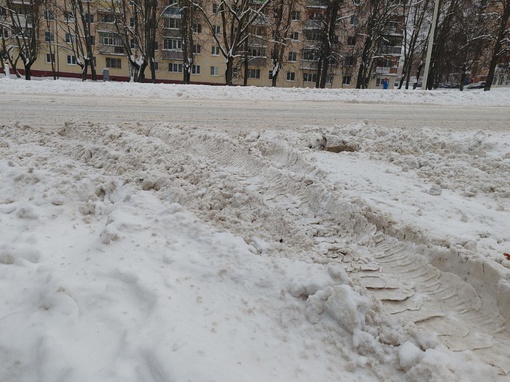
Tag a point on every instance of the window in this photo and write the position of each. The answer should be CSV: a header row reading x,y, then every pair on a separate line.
x,y
71,60
3,11
172,44
111,39
315,16
50,58
4,32
92,40
270,74
48,14
133,44
215,8
113,62
197,28
216,29
346,80
172,23
172,9
313,35
49,37
69,38
294,36
258,52
291,76
253,73
69,17
107,18
310,77
195,69
196,49
215,51
214,71
292,56
351,40
354,20
295,16
132,22
310,55
89,18
260,31
349,61
175,67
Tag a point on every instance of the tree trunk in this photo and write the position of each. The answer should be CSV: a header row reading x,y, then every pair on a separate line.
x,y
245,63
361,81
28,72
229,71
84,70
463,77
497,46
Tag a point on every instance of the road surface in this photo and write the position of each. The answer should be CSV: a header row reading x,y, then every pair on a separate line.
x,y
225,114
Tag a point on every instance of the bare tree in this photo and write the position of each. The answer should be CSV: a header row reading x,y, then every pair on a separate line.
x,y
463,32
255,48
49,17
136,26
229,21
25,19
415,12
501,44
189,23
284,13
75,23
329,42
6,36
440,63
379,14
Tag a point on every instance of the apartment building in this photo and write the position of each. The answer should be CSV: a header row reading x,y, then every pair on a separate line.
x,y
300,34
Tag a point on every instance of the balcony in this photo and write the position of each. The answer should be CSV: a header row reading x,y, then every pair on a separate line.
x,y
111,49
390,50
392,31
172,55
308,65
386,70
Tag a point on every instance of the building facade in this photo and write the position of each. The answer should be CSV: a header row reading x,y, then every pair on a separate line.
x,y
299,43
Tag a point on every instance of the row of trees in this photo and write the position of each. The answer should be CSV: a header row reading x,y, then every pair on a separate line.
x,y
469,34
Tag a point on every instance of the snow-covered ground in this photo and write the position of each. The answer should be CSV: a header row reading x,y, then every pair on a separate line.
x,y
174,252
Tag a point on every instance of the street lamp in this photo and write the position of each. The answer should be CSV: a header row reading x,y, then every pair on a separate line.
x,y
429,47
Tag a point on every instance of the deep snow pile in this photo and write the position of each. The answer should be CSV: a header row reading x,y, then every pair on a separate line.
x,y
158,253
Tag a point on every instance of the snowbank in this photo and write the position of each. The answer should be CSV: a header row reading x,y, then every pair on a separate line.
x,y
170,252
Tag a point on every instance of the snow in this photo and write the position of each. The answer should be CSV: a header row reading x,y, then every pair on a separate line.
x,y
167,252
498,96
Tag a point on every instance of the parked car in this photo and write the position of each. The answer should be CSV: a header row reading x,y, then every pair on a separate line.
x,y
476,85
450,85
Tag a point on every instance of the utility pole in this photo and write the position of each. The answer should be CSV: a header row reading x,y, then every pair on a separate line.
x,y
430,45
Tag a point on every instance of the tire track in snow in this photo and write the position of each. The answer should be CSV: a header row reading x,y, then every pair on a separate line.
x,y
412,289
280,197
434,300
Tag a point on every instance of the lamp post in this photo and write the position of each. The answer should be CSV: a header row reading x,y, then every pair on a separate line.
x,y
429,47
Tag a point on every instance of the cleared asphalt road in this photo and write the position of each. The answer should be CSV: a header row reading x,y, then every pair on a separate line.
x,y
44,110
